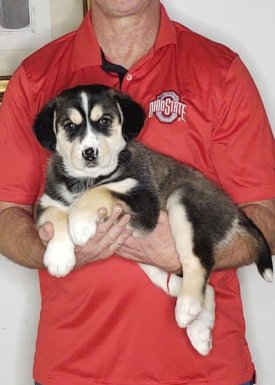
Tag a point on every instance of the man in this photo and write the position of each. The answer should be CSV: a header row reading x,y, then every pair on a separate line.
x,y
203,109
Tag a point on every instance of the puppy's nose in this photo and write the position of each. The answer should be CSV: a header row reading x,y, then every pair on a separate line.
x,y
90,153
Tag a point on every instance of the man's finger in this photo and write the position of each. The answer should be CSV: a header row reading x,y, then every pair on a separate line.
x,y
102,228
162,217
120,226
126,233
102,214
46,232
112,235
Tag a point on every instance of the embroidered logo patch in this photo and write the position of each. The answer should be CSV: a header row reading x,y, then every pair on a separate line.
x,y
167,107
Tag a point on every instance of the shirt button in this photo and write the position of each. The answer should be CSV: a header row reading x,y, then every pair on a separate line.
x,y
129,77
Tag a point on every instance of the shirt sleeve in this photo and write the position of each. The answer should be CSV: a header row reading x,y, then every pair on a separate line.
x,y
20,160
243,152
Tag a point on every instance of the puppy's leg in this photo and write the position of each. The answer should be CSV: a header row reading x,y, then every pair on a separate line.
x,y
191,297
83,215
199,331
59,257
171,285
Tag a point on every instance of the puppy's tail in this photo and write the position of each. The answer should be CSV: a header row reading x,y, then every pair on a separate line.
x,y
263,257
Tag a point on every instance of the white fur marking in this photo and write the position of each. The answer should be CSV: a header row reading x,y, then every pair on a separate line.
x,y
199,331
123,186
85,102
90,140
190,300
54,122
121,113
268,275
182,228
47,201
235,228
66,194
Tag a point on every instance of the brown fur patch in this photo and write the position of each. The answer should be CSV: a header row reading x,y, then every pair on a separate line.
x,y
100,197
58,218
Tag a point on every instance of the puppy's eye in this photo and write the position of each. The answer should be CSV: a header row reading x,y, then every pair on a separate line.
x,y
104,122
70,126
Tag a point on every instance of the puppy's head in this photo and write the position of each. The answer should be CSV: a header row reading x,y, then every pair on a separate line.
x,y
89,126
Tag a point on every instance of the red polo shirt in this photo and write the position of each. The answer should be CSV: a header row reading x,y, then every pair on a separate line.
x,y
107,323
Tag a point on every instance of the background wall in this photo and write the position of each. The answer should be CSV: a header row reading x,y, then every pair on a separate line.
x,y
248,27
48,20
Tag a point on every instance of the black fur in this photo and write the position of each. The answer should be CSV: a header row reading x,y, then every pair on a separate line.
x,y
263,258
133,117
43,126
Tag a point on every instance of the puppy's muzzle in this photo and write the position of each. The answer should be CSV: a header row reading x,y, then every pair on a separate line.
x,y
90,154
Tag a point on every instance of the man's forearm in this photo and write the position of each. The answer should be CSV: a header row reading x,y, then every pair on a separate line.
x,y
19,240
240,251
263,215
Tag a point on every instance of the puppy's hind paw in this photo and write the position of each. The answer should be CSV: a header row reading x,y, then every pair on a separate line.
x,y
59,258
199,331
187,309
200,337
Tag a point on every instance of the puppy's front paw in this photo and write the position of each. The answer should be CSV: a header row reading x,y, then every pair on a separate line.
x,y
82,226
187,309
59,258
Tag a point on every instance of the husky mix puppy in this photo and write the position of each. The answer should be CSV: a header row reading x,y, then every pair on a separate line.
x,y
96,163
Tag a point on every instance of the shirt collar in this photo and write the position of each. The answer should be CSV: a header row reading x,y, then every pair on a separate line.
x,y
167,31
86,51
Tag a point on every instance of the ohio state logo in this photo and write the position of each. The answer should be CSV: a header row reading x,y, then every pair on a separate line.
x,y
167,107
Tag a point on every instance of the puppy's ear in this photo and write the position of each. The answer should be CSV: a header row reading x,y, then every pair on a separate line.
x,y
44,126
133,116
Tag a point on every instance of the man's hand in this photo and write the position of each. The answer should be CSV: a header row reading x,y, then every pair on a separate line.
x,y
109,237
157,248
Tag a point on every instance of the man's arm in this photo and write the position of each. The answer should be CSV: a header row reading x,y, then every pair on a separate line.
x,y
19,240
239,252
263,215
158,248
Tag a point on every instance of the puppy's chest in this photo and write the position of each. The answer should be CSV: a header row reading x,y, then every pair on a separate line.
x,y
70,192
68,196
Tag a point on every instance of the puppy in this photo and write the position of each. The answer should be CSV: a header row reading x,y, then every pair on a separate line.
x,y
96,163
